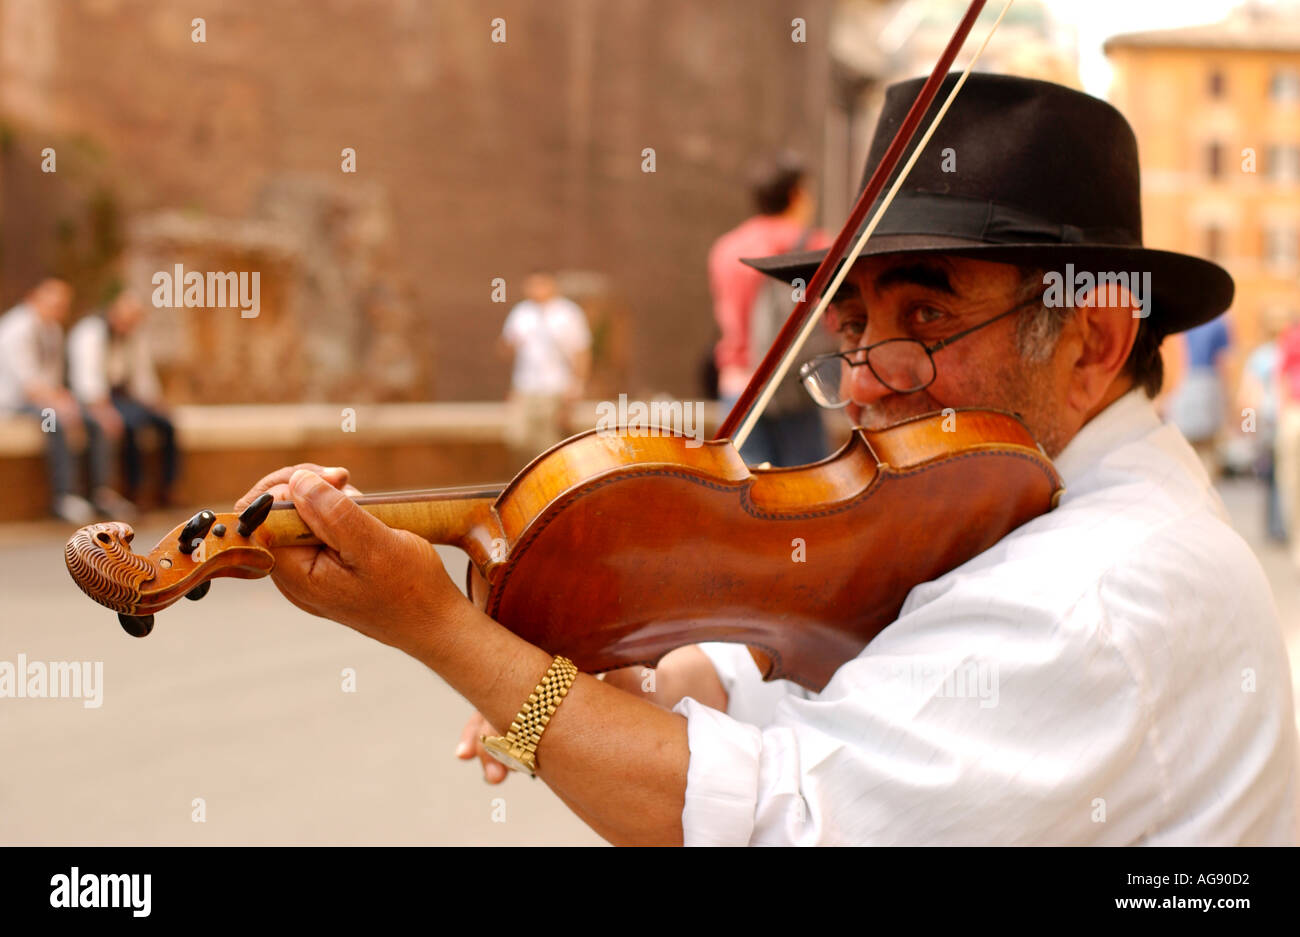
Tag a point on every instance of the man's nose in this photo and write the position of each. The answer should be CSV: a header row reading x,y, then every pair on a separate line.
x,y
864,388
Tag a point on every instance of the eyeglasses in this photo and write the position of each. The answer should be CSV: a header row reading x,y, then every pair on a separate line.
x,y
904,365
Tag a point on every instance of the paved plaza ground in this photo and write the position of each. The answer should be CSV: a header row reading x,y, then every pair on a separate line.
x,y
240,704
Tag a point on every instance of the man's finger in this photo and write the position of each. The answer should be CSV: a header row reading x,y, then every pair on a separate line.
x,y
469,738
494,772
334,518
336,476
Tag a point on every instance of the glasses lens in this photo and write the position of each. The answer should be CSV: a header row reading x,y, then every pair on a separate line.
x,y
902,364
823,378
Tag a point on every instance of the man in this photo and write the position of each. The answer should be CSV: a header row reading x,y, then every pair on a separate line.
x,y
31,382
111,369
749,311
1132,682
550,342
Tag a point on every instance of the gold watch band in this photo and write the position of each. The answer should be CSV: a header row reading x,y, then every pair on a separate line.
x,y
520,743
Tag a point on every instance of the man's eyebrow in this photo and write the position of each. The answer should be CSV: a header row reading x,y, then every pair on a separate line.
x,y
847,291
928,276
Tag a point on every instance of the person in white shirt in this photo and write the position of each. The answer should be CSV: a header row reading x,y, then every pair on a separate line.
x,y
1112,672
110,367
31,383
548,337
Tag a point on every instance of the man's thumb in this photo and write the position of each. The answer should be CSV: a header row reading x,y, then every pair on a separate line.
x,y
338,521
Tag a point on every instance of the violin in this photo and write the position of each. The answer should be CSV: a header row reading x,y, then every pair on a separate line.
x,y
613,549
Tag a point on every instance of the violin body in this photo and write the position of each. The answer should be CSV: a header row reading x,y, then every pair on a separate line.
x,y
623,548
614,549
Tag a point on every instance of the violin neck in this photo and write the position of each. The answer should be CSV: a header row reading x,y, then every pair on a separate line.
x,y
455,517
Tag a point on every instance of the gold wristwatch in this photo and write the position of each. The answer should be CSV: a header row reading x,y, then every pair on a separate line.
x,y
517,749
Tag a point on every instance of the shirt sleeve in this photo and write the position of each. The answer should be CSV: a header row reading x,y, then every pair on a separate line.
x,y
18,353
913,743
749,697
734,287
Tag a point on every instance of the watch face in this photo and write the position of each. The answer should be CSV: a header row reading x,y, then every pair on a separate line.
x,y
502,751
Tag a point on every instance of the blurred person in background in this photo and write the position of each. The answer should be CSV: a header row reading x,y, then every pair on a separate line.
x,y
550,342
111,371
750,311
1198,404
31,382
1288,433
1258,392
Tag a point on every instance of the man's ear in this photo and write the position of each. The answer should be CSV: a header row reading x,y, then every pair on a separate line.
x,y
1105,334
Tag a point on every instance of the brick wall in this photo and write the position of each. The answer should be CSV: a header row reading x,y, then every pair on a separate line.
x,y
484,159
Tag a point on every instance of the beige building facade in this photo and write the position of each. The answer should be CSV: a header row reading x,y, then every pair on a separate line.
x,y
1216,110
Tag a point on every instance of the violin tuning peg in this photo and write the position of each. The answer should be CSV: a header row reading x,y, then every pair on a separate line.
x,y
195,529
199,591
254,514
137,626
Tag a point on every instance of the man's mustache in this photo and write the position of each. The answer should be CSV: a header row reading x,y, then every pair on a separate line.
x,y
893,409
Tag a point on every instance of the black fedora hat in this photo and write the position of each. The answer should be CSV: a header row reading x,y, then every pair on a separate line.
x,y
1037,175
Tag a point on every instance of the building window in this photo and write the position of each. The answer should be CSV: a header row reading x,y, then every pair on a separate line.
x,y
1216,85
1281,246
1213,242
1284,85
1282,162
1214,159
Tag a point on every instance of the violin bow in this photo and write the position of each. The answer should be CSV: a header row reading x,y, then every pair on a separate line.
x,y
780,357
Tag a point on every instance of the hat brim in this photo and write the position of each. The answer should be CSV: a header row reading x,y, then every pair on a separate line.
x,y
1186,291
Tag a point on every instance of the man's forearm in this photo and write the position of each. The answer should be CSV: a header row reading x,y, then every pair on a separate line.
x,y
618,761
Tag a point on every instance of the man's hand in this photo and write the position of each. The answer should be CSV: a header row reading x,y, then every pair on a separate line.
x,y
67,414
109,420
388,584
604,749
494,772
684,672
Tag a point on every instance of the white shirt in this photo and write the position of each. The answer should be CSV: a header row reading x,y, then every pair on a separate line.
x,y
31,351
96,365
547,339
1112,672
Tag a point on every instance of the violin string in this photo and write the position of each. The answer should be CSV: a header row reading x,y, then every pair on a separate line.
x,y
814,319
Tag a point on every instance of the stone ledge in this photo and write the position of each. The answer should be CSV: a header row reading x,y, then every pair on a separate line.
x,y
222,427
204,427
226,448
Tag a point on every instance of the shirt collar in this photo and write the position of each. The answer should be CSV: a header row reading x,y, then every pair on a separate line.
x,y
1128,418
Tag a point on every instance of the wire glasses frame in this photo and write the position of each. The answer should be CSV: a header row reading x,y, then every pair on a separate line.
x,y
904,365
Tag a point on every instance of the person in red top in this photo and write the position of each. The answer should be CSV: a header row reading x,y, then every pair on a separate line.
x,y
1288,433
784,435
